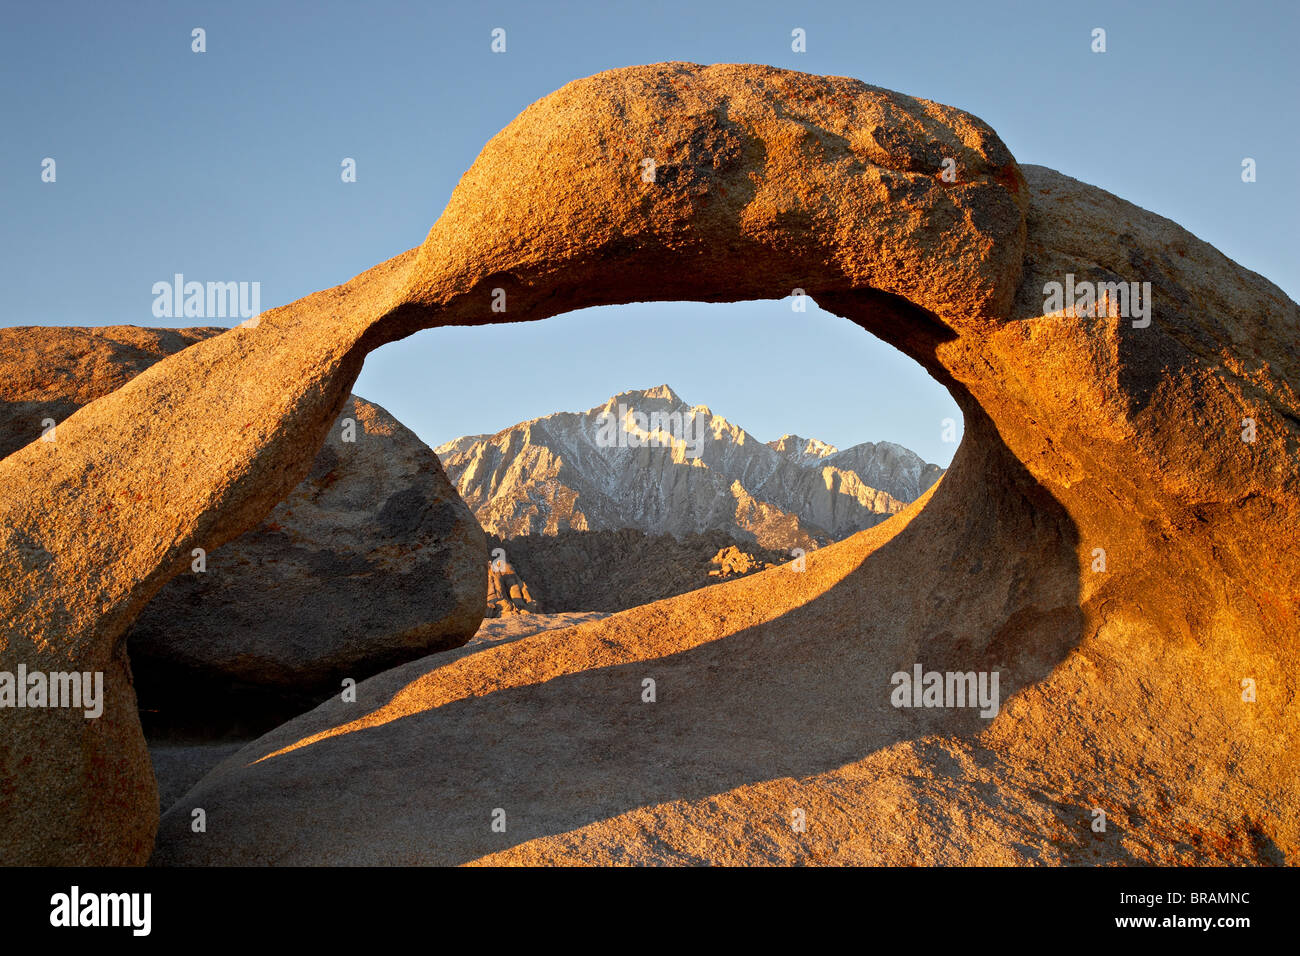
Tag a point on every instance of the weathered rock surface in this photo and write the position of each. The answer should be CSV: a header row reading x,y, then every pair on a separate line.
x,y
94,523
50,372
514,627
646,459
180,764
1122,688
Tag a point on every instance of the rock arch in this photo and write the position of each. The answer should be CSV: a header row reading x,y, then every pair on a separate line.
x,y
1081,432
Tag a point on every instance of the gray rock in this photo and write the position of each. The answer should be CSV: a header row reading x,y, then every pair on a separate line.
x,y
370,562
563,472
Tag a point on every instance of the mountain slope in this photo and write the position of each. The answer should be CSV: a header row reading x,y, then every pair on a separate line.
x,y
646,459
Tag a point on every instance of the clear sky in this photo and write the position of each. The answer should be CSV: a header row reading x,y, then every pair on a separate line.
x,y
225,166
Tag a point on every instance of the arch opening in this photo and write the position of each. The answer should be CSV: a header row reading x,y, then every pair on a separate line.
x,y
739,721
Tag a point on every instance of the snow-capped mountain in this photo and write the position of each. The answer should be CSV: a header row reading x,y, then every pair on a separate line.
x,y
645,459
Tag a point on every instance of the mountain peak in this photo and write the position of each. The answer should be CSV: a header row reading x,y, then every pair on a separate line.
x,y
665,467
800,449
659,391
632,396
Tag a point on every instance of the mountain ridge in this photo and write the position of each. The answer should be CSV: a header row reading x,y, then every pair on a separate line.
x,y
647,459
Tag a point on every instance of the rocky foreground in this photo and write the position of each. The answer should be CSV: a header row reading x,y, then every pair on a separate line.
x,y
179,764
1115,537
368,563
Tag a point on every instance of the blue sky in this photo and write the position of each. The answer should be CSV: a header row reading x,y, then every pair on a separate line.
x,y
225,166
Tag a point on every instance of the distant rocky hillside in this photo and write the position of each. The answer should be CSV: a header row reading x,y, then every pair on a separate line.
x,y
617,570
647,460
893,469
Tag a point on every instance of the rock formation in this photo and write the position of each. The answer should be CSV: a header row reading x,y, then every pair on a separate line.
x,y
731,562
807,451
367,564
506,591
1105,539
646,459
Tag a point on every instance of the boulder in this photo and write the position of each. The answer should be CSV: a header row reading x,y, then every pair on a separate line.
x,y
732,562
369,563
506,591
